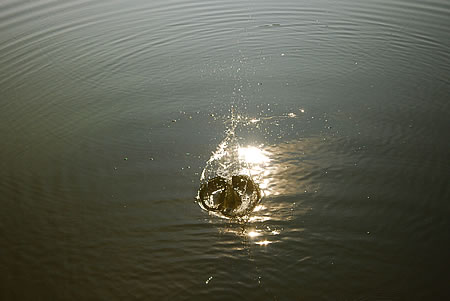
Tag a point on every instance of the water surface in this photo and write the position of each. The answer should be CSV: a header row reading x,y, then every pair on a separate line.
x,y
110,111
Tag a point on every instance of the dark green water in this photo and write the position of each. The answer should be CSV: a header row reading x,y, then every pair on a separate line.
x,y
110,110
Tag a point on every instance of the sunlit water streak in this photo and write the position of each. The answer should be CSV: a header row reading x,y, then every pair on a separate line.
x,y
279,171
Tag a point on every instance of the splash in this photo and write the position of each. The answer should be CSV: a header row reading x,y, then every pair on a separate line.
x,y
229,182
231,198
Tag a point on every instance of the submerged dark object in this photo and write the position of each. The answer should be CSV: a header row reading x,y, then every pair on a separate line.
x,y
231,198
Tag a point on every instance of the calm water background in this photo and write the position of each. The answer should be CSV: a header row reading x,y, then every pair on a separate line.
x,y
110,110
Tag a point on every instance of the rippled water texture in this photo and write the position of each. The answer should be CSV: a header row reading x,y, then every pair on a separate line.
x,y
111,110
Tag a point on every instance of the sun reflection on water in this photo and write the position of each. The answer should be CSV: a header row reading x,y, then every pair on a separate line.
x,y
261,236
256,162
263,242
253,155
282,172
254,234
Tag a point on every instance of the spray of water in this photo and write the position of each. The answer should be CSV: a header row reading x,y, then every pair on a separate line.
x,y
227,185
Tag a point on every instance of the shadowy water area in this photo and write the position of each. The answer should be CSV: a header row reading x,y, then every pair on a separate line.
x,y
113,114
